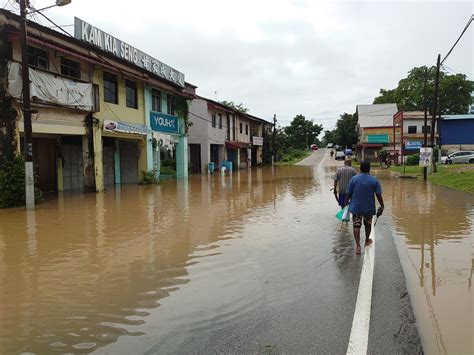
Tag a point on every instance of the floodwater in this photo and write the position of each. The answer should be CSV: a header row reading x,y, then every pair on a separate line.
x,y
136,266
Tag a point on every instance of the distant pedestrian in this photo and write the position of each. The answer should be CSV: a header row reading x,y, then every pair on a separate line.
x,y
361,191
341,182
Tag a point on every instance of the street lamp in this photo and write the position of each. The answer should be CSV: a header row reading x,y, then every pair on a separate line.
x,y
28,132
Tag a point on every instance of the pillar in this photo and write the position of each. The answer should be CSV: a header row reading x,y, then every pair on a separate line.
x,y
98,161
182,158
118,177
60,178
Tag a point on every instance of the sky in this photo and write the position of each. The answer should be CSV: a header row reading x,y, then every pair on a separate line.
x,y
285,57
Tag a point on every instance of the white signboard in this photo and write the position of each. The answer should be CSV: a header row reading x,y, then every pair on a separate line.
x,y
92,35
257,141
426,156
124,127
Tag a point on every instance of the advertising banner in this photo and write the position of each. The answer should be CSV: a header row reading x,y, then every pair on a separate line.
x,y
426,155
123,127
377,138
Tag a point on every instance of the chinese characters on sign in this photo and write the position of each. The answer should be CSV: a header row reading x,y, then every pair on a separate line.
x,y
92,35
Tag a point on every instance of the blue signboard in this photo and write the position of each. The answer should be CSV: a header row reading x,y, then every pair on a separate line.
x,y
161,122
413,145
377,138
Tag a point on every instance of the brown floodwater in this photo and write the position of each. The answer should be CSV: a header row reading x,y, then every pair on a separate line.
x,y
112,272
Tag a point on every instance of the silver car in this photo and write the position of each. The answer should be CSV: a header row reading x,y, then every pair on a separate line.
x,y
461,157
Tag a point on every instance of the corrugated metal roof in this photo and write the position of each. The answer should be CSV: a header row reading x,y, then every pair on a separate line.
x,y
377,115
458,117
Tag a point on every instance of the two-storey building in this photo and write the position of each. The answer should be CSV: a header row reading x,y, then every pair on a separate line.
x,y
99,105
221,134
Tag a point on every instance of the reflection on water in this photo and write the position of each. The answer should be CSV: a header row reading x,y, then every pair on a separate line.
x,y
435,227
83,270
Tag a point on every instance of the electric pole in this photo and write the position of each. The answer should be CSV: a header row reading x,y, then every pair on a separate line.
x,y
29,175
425,134
435,108
274,136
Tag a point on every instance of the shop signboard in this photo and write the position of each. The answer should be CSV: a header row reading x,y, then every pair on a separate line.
x,y
124,127
85,32
257,140
413,145
426,155
161,122
377,138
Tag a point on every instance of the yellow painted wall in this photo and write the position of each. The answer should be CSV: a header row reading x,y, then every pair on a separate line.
x,y
120,111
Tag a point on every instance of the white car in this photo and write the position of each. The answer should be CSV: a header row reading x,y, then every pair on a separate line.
x,y
461,157
340,155
330,145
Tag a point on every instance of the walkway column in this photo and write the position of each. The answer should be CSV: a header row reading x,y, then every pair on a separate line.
x,y
98,161
149,138
182,158
118,177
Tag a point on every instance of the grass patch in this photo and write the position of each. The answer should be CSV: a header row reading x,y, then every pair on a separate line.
x,y
293,156
456,176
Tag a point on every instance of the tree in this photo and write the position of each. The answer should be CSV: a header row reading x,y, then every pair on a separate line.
x,y
455,91
329,137
301,133
239,107
345,133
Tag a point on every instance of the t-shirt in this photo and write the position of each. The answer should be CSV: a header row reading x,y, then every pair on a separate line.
x,y
362,188
343,176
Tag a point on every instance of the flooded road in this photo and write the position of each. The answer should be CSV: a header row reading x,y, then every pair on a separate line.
x,y
252,261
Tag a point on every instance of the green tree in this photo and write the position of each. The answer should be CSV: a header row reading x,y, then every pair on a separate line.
x,y
301,133
345,133
329,137
455,91
239,107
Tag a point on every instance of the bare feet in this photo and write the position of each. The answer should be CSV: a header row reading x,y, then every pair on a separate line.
x,y
368,242
357,250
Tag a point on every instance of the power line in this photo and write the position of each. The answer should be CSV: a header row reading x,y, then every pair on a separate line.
x,y
455,43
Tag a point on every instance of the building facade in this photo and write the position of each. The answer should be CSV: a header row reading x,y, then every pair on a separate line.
x,y
220,134
375,130
98,104
457,133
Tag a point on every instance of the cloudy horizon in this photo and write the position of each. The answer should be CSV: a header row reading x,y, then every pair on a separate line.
x,y
318,59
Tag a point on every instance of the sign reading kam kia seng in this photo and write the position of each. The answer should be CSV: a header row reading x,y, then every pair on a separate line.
x,y
92,35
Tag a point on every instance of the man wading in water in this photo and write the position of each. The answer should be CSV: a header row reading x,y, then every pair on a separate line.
x,y
361,192
343,175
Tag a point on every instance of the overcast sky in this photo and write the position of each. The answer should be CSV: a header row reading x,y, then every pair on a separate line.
x,y
287,57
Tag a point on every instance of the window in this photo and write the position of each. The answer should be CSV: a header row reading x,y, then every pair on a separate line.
x,y
131,93
247,129
214,120
155,100
426,128
38,58
220,120
170,104
110,88
240,125
70,68
411,129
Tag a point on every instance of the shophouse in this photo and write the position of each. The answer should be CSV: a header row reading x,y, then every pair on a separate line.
x,y
375,130
98,105
222,134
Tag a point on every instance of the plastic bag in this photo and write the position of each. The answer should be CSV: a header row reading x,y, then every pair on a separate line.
x,y
343,215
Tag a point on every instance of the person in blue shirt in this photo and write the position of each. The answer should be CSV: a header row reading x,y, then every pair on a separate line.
x,y
361,191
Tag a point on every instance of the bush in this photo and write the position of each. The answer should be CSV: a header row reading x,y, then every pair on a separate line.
x,y
167,172
150,177
12,184
413,159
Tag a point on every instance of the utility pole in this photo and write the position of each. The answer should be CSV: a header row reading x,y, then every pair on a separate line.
x,y
274,136
425,107
29,176
435,108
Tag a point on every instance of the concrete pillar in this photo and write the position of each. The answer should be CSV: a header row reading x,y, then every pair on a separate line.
x,y
87,164
118,176
182,158
98,160
238,159
150,159
60,177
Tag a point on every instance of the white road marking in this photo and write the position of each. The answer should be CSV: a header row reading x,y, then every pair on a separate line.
x,y
359,339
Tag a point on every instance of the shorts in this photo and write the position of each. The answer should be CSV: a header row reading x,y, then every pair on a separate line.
x,y
342,198
357,220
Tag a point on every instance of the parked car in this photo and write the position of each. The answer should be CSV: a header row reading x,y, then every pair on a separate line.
x,y
461,157
349,152
340,155
314,147
330,145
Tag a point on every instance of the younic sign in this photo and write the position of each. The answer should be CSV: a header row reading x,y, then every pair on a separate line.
x,y
92,35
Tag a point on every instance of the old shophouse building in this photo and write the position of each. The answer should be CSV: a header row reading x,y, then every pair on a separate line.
x,y
98,103
220,134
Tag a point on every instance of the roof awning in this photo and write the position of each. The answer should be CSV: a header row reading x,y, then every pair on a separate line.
x,y
237,145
